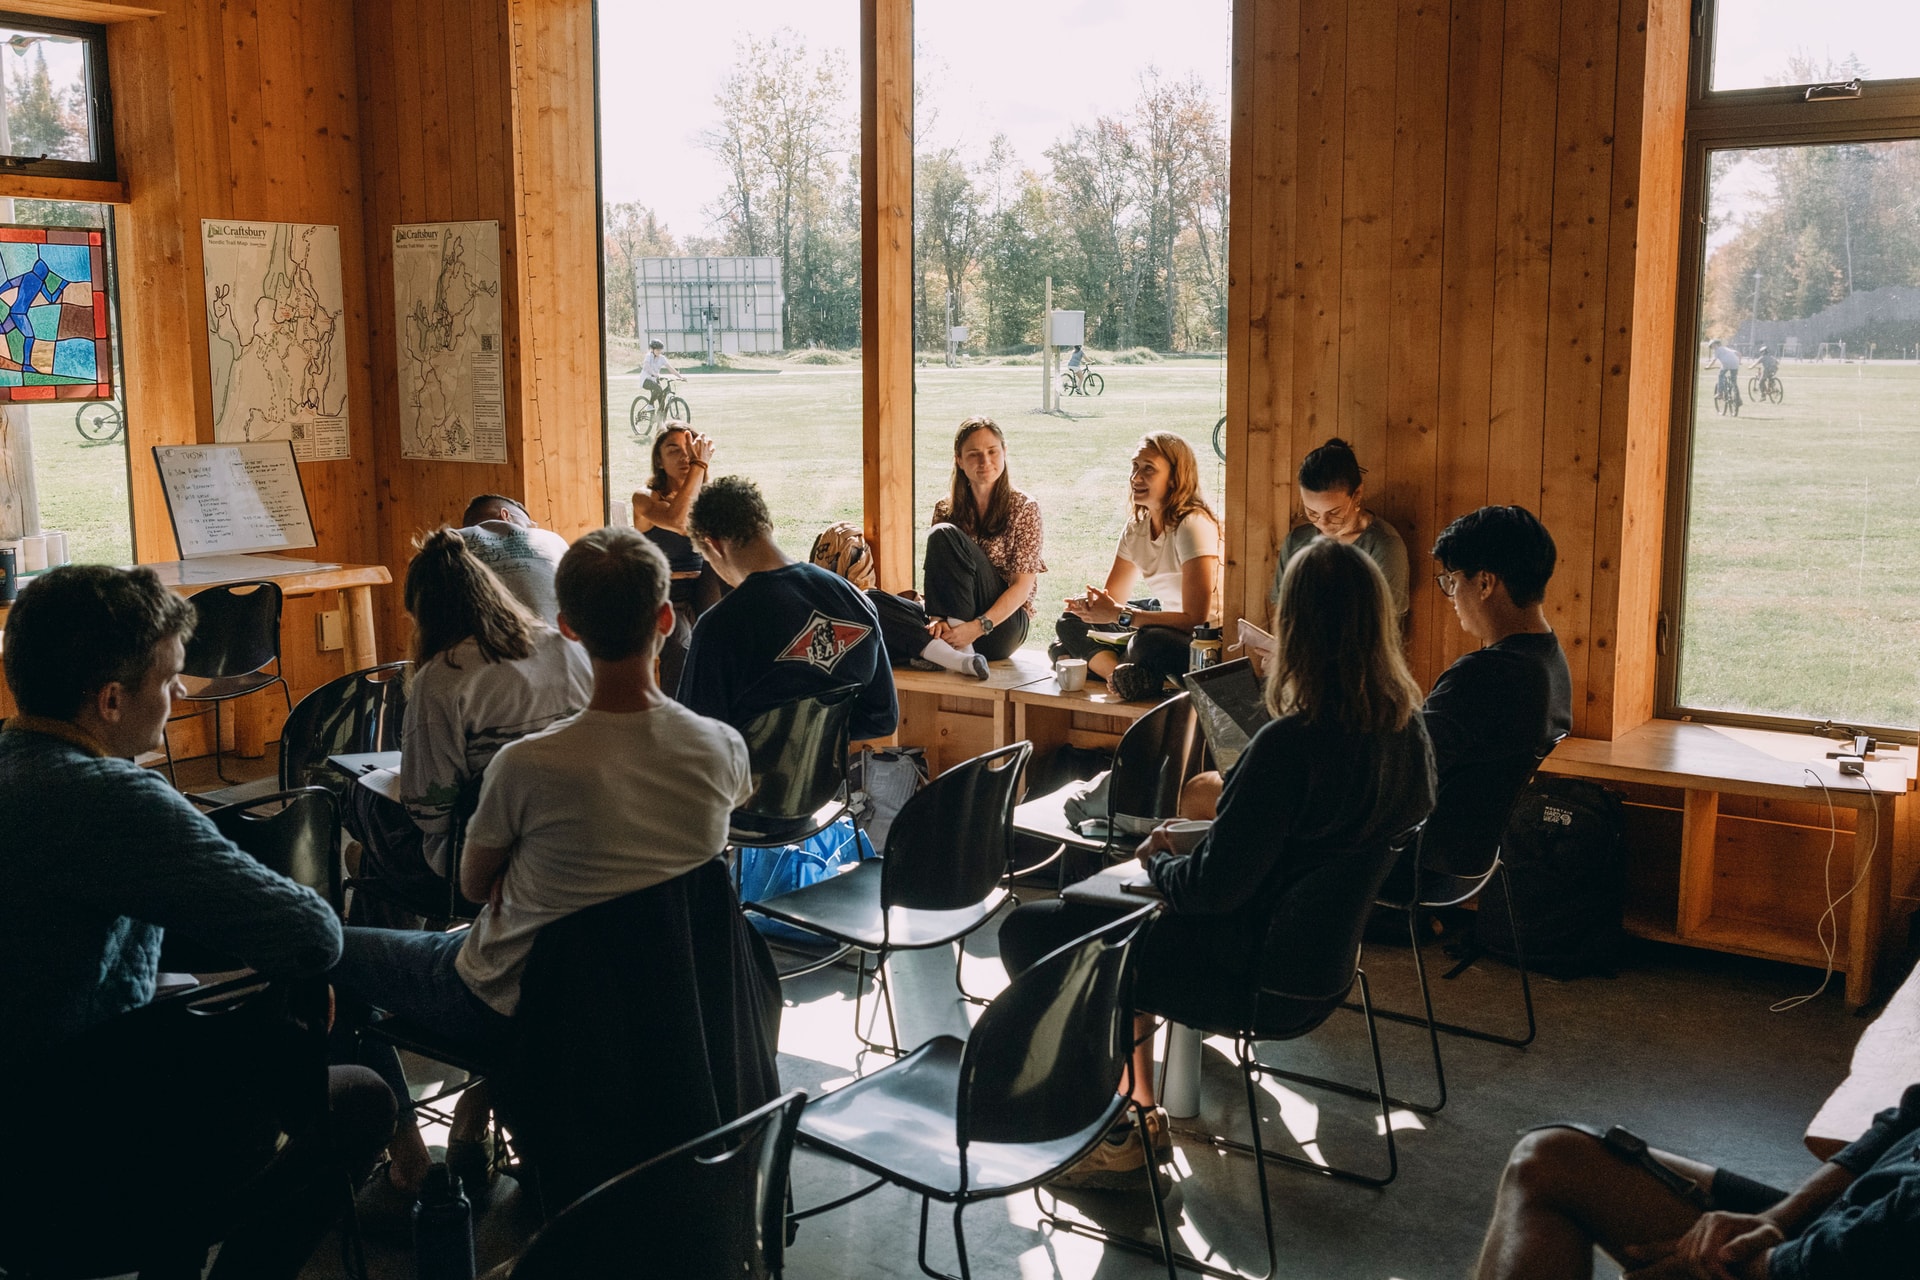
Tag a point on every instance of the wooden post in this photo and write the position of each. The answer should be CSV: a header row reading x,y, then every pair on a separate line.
x,y
1046,349
886,286
19,500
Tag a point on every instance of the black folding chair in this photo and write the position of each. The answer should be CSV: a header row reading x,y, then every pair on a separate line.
x,y
715,1206
1156,756
1035,1087
1470,816
296,833
942,877
1308,966
362,711
236,636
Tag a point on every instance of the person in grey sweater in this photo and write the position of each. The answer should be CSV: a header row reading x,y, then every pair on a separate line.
x,y
103,860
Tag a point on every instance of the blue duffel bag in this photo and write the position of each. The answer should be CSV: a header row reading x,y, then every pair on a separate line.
x,y
768,873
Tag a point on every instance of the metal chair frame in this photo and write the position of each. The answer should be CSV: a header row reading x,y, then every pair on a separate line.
x,y
224,598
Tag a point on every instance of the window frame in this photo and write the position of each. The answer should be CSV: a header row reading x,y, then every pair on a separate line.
x,y
1717,120
105,167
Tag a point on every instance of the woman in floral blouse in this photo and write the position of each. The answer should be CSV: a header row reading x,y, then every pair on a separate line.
x,y
983,555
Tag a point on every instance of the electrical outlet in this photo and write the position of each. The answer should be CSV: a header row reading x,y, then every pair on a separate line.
x,y
328,634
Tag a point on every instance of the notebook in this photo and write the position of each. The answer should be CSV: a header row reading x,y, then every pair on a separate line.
x,y
1230,706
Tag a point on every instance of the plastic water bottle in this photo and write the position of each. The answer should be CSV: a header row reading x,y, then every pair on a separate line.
x,y
442,1229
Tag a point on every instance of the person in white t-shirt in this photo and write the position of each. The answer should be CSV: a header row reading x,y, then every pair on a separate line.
x,y
1165,579
520,553
653,377
631,792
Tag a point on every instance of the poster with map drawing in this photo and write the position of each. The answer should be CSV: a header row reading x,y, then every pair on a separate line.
x,y
274,334
446,310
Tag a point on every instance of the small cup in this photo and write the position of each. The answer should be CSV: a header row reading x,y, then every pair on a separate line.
x,y
33,553
1071,673
1187,833
56,548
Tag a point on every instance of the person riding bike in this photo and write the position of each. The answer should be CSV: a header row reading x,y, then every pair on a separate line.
x,y
1728,359
1769,366
652,380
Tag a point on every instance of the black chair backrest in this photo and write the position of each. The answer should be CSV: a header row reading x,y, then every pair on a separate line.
x,y
360,711
213,1082
1312,949
1156,756
1047,1055
715,1206
1470,812
296,833
797,752
236,630
644,1022
953,839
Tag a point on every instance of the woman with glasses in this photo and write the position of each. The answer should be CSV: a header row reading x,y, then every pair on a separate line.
x,y
1332,497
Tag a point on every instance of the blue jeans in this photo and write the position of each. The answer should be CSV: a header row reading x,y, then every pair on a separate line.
x,y
411,974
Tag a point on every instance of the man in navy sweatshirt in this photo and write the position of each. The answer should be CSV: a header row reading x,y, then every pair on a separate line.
x,y
102,859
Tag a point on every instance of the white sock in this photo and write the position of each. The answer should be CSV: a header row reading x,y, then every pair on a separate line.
x,y
943,654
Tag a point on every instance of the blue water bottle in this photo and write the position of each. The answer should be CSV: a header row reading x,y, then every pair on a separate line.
x,y
442,1229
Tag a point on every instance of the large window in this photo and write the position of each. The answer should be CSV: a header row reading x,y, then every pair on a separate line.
x,y
1792,584
730,174
1086,146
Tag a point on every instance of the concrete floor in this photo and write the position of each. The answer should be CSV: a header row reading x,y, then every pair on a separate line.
x,y
1680,1048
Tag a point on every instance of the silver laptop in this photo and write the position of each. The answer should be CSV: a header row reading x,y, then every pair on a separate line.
x,y
1230,705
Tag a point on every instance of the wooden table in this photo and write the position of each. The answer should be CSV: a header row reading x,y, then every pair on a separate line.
x,y
954,718
294,577
1707,762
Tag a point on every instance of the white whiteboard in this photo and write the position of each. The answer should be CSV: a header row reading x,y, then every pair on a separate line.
x,y
230,499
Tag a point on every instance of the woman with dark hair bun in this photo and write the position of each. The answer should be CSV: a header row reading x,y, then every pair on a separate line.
x,y
1332,498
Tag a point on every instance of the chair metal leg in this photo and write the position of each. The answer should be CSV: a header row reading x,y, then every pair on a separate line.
x,y
960,960
1251,1066
884,994
218,771
959,1239
1172,1258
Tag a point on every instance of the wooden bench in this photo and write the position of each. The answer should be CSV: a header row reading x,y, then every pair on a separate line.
x,y
1707,762
1885,1062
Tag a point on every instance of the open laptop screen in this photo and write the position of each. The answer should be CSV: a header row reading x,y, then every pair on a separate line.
x,y
1230,706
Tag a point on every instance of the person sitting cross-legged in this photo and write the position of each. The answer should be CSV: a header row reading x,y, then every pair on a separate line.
x,y
103,862
1665,1217
631,792
787,628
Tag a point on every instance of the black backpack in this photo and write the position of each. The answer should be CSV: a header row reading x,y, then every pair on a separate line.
x,y
1565,852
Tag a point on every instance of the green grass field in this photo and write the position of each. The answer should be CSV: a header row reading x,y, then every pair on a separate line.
x,y
797,433
1803,592
1803,578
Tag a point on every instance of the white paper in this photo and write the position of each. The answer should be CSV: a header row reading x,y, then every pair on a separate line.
x,y
275,335
446,314
228,499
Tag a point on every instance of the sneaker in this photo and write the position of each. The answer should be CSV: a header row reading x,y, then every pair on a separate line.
x,y
383,1210
923,664
1131,682
1115,1164
977,667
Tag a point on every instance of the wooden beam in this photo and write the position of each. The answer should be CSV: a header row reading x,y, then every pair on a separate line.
x,y
81,10
29,186
886,283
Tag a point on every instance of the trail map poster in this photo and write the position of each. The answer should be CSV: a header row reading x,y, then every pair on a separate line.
x,y
274,334
446,310
53,315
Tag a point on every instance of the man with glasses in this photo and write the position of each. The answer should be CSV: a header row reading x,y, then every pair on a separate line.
x,y
1512,696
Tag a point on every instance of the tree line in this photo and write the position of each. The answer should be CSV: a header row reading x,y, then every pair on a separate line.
x,y
1127,213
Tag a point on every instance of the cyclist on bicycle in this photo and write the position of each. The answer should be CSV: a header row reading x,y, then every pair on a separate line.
x,y
1728,359
652,380
1769,364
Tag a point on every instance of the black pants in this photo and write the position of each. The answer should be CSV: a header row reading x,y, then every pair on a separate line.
x,y
962,583
691,597
1161,650
393,852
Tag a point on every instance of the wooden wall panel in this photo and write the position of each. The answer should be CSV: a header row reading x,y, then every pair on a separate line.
x,y
1456,194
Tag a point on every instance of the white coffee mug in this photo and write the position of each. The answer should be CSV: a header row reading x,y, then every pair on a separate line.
x,y
33,553
56,548
1071,673
1187,833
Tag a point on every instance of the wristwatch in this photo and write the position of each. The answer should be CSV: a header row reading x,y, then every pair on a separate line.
x,y
1125,619
985,623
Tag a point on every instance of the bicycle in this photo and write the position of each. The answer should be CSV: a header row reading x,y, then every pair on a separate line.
x,y
1766,386
643,413
1726,393
1220,438
1082,382
99,421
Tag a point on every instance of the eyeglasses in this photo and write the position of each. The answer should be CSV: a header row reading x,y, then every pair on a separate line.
x,y
1448,583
